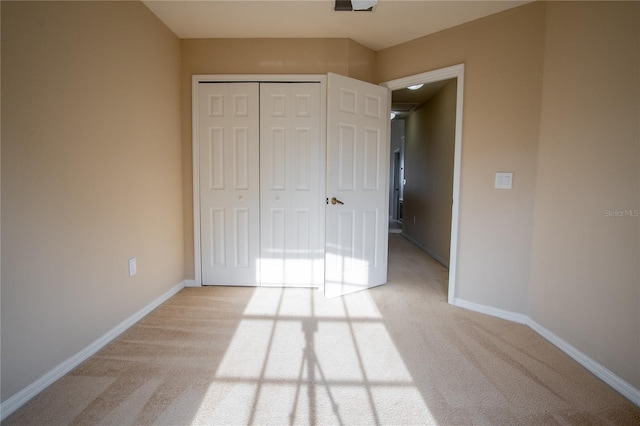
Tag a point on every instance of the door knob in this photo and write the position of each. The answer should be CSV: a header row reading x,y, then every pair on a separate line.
x,y
334,200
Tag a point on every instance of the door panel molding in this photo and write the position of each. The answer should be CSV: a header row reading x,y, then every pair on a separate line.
x,y
229,182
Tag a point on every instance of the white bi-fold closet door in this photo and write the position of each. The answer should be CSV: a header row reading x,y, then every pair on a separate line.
x,y
261,184
291,185
291,182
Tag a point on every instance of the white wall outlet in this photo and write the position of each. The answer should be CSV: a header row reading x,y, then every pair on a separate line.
x,y
133,267
504,180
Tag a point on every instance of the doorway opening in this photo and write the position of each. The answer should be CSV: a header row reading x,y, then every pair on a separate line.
x,y
428,158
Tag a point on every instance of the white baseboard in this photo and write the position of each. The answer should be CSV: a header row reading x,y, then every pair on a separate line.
x,y
19,399
489,310
597,369
191,283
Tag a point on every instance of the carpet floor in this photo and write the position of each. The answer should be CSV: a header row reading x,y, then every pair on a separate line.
x,y
396,354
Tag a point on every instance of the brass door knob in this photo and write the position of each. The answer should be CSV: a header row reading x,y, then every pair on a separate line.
x,y
334,201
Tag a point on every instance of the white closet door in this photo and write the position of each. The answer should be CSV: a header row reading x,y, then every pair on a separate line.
x,y
228,124
357,185
291,185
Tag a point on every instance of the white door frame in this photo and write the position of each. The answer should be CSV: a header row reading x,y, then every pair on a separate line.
x,y
455,71
259,78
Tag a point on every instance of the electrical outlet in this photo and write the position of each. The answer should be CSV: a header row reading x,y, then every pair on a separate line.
x,y
133,267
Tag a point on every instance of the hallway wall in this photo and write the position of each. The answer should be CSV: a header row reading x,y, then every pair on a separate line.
x,y
429,149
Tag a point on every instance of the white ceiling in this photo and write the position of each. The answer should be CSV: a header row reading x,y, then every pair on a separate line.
x,y
390,23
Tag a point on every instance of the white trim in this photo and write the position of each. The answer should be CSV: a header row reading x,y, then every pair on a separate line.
x,y
490,310
454,71
191,283
195,164
598,370
195,144
259,78
16,401
616,382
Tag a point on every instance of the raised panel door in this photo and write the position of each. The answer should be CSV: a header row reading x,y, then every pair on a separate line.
x,y
228,132
357,176
291,185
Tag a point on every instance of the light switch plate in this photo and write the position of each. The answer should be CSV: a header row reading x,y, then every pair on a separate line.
x,y
504,180
133,267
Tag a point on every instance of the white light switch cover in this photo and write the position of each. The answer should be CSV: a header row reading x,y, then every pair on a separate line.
x,y
133,267
504,180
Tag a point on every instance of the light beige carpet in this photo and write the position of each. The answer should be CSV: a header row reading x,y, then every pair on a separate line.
x,y
397,354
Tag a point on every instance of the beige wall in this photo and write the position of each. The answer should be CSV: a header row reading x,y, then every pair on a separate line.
x,y
585,282
361,62
257,56
429,149
91,175
503,81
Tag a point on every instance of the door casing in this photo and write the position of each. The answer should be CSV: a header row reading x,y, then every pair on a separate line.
x,y
454,71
